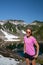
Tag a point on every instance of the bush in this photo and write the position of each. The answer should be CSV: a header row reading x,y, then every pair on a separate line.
x,y
11,46
20,45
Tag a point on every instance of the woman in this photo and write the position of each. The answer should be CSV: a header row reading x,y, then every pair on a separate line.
x,y
29,49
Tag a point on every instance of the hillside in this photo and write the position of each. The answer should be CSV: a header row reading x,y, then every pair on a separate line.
x,y
13,28
18,27
37,28
39,33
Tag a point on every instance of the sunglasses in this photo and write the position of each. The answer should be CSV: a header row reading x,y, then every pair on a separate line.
x,y
28,32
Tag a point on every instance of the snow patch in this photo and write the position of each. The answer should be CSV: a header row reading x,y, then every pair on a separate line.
x,y
10,37
7,61
23,32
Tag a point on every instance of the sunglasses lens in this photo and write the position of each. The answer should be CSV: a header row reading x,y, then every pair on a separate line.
x,y
27,32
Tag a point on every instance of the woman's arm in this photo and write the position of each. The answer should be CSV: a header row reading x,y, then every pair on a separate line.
x,y
24,47
37,49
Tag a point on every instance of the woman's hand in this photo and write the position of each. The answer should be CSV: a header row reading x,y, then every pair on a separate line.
x,y
35,56
24,48
37,49
24,51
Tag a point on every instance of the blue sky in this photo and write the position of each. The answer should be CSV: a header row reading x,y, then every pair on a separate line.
x,y
27,10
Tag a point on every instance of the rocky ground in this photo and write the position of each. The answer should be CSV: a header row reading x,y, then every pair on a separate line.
x,y
24,63
9,53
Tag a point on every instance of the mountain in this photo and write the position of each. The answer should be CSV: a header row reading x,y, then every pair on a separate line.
x,y
37,28
14,26
18,27
36,22
12,30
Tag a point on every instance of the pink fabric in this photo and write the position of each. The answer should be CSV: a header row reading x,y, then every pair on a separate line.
x,y
30,45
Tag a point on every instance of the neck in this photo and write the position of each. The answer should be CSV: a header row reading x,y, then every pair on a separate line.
x,y
28,36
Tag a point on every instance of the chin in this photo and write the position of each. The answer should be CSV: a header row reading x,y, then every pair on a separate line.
x,y
28,35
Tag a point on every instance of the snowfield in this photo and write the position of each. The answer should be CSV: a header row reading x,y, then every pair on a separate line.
x,y
23,32
10,37
7,61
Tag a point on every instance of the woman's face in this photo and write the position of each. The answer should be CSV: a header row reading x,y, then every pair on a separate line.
x,y
28,32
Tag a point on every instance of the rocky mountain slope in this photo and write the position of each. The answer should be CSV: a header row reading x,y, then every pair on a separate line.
x,y
18,27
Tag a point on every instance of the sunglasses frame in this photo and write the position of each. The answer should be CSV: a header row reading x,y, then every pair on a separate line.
x,y
28,32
